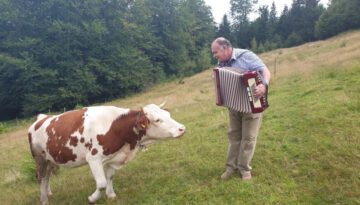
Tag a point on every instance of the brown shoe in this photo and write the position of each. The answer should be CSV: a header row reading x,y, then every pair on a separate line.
x,y
246,176
227,174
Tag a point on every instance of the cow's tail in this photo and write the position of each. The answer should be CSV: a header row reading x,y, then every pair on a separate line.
x,y
34,156
30,143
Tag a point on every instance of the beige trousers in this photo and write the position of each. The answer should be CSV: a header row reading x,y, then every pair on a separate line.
x,y
243,131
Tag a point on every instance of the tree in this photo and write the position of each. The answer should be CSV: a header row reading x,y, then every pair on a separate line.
x,y
284,24
199,30
240,10
60,54
273,21
261,25
312,12
224,29
341,15
254,46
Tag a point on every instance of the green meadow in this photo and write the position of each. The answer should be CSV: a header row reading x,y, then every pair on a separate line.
x,y
308,149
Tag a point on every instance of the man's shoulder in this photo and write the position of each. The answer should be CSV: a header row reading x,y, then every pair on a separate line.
x,y
238,52
248,59
245,54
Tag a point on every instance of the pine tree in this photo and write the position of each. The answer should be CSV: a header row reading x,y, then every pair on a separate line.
x,y
224,29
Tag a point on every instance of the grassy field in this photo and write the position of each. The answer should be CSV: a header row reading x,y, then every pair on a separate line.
x,y
308,150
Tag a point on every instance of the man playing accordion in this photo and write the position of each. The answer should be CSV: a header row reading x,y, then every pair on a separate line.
x,y
243,126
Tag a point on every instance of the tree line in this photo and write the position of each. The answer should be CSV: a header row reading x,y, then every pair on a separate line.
x,y
57,55
303,21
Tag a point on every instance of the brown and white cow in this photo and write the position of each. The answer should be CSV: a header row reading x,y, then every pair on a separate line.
x,y
103,136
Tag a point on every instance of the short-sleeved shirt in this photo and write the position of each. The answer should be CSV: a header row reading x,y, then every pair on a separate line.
x,y
244,59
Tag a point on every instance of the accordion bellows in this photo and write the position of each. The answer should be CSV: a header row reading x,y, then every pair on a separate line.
x,y
235,87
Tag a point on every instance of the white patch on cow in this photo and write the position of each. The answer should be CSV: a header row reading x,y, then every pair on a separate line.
x,y
76,134
107,114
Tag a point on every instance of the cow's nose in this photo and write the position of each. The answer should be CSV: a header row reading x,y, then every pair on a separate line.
x,y
182,129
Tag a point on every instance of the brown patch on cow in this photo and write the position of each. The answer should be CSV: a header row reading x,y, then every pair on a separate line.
x,y
121,132
60,131
89,145
73,141
82,140
94,151
38,125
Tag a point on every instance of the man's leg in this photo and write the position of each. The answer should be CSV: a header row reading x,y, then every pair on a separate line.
x,y
250,129
234,136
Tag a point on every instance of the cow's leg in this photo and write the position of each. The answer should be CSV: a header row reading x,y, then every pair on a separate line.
x,y
109,187
98,173
41,165
49,170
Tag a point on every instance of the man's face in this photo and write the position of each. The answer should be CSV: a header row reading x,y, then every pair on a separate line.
x,y
220,53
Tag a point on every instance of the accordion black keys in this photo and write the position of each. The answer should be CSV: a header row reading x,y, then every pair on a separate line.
x,y
235,90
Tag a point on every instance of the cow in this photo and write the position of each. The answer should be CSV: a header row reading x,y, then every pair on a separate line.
x,y
104,137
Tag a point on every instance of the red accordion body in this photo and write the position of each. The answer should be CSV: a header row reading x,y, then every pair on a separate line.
x,y
235,90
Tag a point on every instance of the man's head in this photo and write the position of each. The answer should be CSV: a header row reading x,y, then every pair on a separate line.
x,y
221,49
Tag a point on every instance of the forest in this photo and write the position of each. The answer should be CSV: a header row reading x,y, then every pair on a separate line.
x,y
58,55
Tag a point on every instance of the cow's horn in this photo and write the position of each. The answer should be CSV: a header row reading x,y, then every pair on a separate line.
x,y
162,104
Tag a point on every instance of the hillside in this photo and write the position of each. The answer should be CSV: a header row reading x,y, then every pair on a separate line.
x,y
308,151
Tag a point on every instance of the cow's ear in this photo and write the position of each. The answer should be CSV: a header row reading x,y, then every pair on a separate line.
x,y
143,122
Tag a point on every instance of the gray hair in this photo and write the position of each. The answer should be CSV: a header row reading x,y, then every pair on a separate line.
x,y
223,42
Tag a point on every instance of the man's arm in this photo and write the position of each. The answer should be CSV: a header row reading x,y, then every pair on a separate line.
x,y
261,88
266,75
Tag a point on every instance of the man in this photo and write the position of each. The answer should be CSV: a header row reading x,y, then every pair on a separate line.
x,y
243,127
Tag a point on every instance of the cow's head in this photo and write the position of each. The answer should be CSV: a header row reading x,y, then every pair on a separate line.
x,y
161,125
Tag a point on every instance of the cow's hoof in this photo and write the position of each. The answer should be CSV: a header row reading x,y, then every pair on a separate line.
x,y
111,196
46,202
91,200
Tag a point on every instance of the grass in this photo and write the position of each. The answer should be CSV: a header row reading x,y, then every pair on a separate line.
x,y
12,125
308,150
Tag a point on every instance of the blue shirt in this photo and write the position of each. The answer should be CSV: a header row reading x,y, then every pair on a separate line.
x,y
244,59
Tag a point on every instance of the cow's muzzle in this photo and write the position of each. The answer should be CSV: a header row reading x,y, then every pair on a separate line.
x,y
181,131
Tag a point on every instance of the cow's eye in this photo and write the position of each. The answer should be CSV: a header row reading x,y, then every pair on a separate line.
x,y
158,120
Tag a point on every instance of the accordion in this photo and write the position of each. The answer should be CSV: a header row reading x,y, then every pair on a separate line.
x,y
235,90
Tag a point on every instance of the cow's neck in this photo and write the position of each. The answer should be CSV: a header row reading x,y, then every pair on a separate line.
x,y
120,133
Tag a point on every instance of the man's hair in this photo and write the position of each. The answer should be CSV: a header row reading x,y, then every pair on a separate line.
x,y
223,42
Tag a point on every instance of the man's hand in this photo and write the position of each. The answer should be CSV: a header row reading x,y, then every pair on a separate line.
x,y
260,90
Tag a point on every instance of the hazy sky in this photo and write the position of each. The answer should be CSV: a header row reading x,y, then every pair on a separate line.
x,y
221,7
